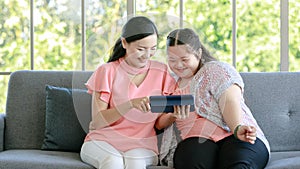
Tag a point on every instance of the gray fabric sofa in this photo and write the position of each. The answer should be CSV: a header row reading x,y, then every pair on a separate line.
x,y
274,99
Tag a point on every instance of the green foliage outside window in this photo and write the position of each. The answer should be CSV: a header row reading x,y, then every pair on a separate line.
x,y
58,32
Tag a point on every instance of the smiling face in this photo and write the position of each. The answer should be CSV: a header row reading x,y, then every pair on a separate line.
x,y
182,62
139,52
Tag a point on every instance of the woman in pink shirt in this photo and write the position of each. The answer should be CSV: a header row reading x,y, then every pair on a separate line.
x,y
222,133
122,133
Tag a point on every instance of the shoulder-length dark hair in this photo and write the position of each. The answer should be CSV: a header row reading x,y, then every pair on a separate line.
x,y
135,29
187,36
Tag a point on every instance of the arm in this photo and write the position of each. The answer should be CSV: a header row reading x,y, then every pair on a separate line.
x,y
102,116
166,119
2,121
230,106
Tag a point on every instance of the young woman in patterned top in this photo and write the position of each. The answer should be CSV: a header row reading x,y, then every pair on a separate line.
x,y
222,133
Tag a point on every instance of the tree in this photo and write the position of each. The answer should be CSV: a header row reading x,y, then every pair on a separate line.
x,y
58,32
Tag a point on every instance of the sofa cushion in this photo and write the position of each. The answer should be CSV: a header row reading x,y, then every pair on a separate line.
x,y
285,159
37,159
26,105
63,130
40,159
273,98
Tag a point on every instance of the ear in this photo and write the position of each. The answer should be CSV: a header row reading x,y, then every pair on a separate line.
x,y
124,42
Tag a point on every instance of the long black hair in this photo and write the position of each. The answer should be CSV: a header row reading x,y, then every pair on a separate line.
x,y
187,36
135,29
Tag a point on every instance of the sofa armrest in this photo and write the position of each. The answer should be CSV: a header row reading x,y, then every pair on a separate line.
x,y
2,125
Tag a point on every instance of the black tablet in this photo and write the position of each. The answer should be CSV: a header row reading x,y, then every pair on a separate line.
x,y
165,103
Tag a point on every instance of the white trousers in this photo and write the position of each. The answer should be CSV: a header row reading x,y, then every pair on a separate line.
x,y
102,155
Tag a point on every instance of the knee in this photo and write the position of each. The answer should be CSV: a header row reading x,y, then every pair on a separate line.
x,y
186,165
193,163
240,165
139,158
111,162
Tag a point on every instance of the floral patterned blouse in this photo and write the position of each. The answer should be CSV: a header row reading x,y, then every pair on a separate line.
x,y
207,87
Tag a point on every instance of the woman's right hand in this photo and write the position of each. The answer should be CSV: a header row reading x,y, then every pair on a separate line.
x,y
142,104
246,133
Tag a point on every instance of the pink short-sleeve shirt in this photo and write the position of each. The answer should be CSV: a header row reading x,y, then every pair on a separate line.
x,y
135,129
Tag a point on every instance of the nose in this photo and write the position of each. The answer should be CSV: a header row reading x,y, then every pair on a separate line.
x,y
179,64
147,54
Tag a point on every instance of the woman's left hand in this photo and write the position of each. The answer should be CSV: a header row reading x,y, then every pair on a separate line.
x,y
181,111
246,133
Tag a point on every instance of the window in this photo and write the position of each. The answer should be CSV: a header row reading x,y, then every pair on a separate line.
x,y
294,32
14,36
213,22
253,35
258,35
165,15
57,34
104,20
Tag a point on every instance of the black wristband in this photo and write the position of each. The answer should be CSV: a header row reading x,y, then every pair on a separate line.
x,y
236,130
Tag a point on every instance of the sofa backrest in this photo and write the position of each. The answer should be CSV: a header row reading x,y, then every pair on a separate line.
x,y
26,104
274,99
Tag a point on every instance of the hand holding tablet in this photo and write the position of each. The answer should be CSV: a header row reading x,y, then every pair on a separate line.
x,y
166,104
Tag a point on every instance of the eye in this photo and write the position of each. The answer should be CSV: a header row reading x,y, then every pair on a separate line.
x,y
171,60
